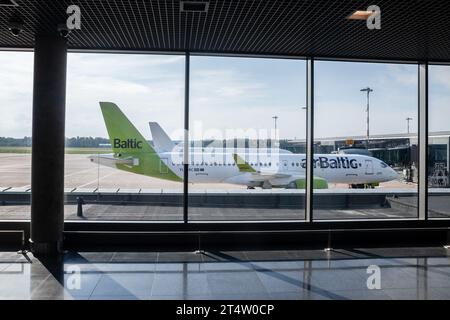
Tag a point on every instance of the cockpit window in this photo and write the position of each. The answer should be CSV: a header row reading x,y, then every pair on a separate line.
x,y
383,165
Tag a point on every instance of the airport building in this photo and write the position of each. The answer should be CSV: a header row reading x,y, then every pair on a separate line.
x,y
224,150
398,150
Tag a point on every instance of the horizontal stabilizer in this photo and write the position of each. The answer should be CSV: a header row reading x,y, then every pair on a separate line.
x,y
109,160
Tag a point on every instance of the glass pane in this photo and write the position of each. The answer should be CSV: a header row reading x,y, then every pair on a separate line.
x,y
113,165
438,142
16,100
365,141
247,131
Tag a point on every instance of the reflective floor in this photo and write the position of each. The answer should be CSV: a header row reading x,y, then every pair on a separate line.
x,y
400,273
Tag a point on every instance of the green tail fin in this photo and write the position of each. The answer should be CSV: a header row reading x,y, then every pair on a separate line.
x,y
128,144
123,135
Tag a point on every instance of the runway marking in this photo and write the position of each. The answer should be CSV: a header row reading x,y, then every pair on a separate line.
x,y
15,165
78,172
67,175
14,156
94,181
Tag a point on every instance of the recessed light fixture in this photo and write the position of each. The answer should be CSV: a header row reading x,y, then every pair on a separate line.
x,y
8,3
360,15
194,6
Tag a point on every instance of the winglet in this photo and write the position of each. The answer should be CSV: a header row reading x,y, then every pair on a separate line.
x,y
242,164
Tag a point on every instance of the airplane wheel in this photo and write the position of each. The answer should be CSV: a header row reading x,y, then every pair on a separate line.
x,y
266,185
292,185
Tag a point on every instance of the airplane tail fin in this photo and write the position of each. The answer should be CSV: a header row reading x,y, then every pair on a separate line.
x,y
161,140
123,135
132,152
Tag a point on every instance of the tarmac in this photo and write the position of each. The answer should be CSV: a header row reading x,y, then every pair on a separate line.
x,y
15,172
85,178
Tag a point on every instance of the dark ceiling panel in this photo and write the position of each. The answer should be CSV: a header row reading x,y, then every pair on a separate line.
x,y
413,30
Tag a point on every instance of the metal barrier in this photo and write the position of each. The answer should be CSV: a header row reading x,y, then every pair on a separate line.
x,y
22,232
201,233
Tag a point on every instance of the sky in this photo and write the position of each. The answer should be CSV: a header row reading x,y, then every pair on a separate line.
x,y
226,94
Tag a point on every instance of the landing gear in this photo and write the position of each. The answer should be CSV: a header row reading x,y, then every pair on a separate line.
x,y
362,186
291,185
266,185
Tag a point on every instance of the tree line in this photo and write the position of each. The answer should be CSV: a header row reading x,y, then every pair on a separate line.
x,y
96,142
74,142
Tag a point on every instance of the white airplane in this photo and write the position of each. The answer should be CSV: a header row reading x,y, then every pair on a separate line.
x,y
163,143
263,168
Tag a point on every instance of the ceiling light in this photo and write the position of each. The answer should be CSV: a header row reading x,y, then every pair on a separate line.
x,y
8,3
194,6
360,15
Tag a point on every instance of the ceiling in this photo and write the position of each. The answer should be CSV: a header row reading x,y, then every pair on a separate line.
x,y
410,30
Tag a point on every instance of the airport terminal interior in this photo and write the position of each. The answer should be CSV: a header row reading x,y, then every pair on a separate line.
x,y
224,150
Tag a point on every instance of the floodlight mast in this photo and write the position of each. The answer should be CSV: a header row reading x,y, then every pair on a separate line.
x,y
368,90
408,119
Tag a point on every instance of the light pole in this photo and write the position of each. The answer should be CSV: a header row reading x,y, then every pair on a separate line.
x,y
408,119
368,90
275,118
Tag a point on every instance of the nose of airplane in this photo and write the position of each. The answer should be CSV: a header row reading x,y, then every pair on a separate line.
x,y
392,174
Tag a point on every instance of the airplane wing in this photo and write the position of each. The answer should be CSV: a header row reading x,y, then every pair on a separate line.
x,y
257,175
299,180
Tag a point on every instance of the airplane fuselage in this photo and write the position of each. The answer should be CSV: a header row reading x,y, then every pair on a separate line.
x,y
252,167
281,169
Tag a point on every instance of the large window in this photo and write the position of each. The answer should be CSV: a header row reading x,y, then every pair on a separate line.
x,y
439,142
16,87
117,164
247,138
247,131
365,141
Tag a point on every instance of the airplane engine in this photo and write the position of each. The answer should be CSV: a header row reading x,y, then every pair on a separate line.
x,y
318,183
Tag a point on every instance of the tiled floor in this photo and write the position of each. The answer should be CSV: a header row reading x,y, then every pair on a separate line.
x,y
405,273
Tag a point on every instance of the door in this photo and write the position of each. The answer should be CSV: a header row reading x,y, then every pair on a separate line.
x,y
369,167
